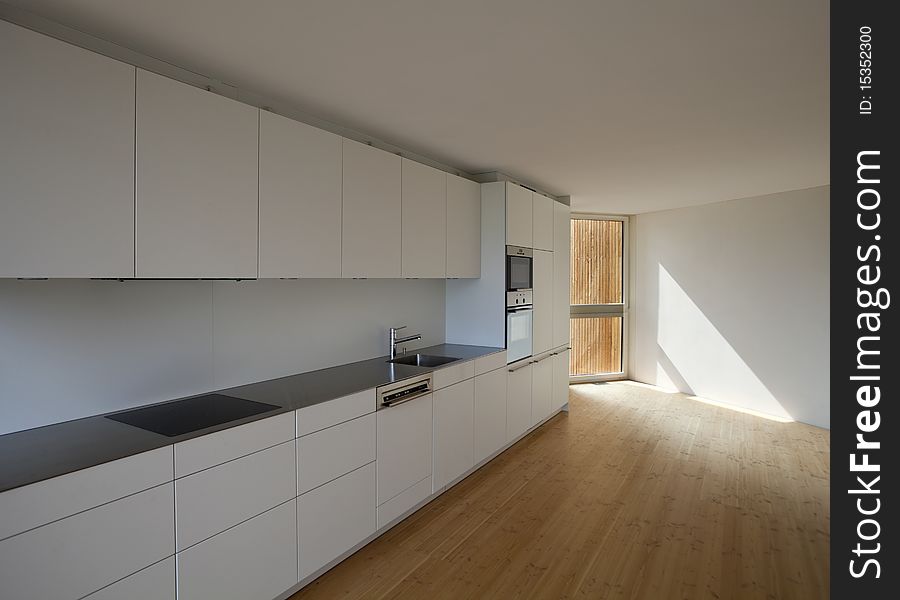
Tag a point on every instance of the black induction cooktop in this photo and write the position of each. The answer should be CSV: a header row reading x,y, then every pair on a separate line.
x,y
191,414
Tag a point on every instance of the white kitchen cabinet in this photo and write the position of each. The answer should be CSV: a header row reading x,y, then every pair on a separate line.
x,y
332,452
216,448
196,186
424,221
256,559
335,517
299,199
463,227
31,506
560,380
561,232
403,502
541,388
404,443
66,159
542,331
454,432
490,413
220,497
371,225
519,216
327,414
453,373
156,582
518,399
80,554
542,221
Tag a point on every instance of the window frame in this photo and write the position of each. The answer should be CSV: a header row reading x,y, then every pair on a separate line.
x,y
621,309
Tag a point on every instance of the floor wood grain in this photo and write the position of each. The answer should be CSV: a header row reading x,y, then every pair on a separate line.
x,y
635,494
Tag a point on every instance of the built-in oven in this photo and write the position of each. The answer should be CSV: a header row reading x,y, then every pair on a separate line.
x,y
519,268
519,325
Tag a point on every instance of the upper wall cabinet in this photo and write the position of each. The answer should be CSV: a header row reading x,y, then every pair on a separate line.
x,y
370,236
299,199
424,225
542,222
196,182
463,227
518,216
66,159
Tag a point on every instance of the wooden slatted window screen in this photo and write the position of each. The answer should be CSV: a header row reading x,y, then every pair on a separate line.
x,y
597,296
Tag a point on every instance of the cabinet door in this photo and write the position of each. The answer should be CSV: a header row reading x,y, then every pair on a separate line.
x,y
256,559
490,413
561,232
156,582
333,518
560,380
454,432
542,222
75,556
196,182
370,238
463,227
66,159
403,442
299,199
518,216
542,334
518,401
242,488
541,389
330,453
424,221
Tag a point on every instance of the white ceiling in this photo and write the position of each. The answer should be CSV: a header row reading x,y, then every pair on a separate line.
x,y
627,106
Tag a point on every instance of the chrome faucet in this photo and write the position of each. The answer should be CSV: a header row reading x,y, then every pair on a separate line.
x,y
395,340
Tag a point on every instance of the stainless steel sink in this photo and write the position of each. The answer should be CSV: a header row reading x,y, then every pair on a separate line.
x,y
422,360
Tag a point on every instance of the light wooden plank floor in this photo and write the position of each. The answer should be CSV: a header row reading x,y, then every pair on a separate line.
x,y
635,494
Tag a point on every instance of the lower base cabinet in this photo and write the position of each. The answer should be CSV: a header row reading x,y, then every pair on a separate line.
x,y
560,380
541,388
156,582
490,413
518,400
88,551
454,430
334,517
255,559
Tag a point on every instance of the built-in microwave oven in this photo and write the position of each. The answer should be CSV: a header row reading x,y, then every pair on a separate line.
x,y
519,268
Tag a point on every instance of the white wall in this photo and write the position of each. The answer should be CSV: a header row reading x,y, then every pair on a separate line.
x,y
73,348
730,301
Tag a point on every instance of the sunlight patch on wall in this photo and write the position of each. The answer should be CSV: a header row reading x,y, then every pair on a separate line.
x,y
702,358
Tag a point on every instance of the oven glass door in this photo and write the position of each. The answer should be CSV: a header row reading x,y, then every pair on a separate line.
x,y
518,273
519,324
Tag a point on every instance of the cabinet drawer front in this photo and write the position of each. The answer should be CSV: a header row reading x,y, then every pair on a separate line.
x,y
332,452
218,498
325,414
34,505
214,449
402,502
335,517
404,437
80,554
490,362
156,582
453,373
256,559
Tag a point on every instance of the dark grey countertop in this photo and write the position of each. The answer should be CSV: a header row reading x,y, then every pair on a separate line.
x,y
34,455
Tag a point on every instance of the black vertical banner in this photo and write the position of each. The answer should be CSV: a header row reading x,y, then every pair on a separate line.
x,y
865,371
